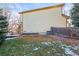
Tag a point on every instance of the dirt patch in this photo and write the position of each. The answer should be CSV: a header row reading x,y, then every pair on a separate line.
x,y
68,41
73,42
37,37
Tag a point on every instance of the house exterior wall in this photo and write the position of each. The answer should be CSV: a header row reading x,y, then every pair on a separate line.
x,y
43,20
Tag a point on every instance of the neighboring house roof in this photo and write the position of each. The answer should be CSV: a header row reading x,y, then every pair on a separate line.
x,y
55,6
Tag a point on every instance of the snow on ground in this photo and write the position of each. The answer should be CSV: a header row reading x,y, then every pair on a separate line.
x,y
68,49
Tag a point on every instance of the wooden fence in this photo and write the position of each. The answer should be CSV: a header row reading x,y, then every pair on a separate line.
x,y
66,32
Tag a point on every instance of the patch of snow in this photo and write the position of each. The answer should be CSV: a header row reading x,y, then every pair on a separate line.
x,y
23,45
35,49
68,50
46,43
75,47
48,52
11,38
30,53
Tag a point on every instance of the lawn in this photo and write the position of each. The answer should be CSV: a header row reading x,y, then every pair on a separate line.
x,y
24,47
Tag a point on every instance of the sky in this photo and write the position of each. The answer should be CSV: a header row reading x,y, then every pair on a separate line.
x,y
19,7
25,6
28,6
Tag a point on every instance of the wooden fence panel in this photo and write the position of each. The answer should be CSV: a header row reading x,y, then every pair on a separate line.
x,y
68,31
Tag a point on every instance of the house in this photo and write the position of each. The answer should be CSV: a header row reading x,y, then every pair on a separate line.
x,y
42,19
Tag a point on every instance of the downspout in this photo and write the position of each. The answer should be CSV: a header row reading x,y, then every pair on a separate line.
x,y
66,22
22,25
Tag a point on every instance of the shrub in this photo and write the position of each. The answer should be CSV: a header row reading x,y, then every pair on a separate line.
x,y
3,29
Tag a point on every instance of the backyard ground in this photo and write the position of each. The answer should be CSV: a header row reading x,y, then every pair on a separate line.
x,y
40,45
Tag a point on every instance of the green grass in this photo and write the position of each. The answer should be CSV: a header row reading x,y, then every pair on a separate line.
x,y
19,47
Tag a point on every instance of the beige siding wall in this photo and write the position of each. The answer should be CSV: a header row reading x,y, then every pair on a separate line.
x,y
42,21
